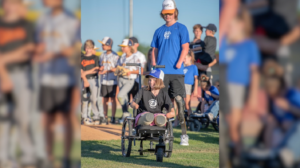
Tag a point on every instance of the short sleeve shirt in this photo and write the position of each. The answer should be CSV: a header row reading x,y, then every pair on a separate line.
x,y
131,59
88,63
57,32
169,41
190,72
150,103
15,35
108,61
239,58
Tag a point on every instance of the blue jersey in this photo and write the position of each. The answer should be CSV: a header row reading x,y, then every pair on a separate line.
x,y
169,41
190,72
213,90
239,57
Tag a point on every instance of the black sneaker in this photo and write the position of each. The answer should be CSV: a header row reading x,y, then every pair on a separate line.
x,y
106,120
113,121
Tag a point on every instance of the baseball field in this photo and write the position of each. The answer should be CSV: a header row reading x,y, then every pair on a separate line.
x,y
101,147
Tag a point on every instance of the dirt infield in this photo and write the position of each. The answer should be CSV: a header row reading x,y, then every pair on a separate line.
x,y
101,132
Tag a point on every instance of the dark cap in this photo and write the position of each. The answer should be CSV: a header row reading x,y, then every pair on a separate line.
x,y
135,40
211,27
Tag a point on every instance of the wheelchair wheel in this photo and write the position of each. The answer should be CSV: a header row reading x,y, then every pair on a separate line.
x,y
126,141
195,125
170,145
159,154
205,122
216,126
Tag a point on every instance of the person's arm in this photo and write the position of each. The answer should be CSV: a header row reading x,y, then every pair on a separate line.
x,y
84,79
184,52
136,100
154,55
254,86
285,105
135,72
92,71
169,106
19,55
229,11
5,81
203,102
212,63
291,36
196,86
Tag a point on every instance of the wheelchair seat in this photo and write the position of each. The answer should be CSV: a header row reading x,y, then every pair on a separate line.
x,y
150,129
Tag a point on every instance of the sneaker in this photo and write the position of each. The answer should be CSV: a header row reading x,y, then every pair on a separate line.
x,y
210,116
184,140
103,121
113,121
121,121
106,121
97,122
88,121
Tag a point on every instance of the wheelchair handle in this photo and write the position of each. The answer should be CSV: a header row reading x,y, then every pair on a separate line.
x,y
171,119
159,66
133,64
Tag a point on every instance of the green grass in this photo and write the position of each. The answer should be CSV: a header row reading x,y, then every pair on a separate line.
x,y
203,151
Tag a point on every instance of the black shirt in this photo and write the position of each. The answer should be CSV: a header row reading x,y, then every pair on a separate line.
x,y
88,63
13,36
210,46
150,103
197,53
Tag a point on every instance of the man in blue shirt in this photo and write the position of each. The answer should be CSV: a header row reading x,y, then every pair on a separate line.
x,y
171,44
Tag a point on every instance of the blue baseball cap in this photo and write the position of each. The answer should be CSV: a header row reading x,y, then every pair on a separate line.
x,y
156,73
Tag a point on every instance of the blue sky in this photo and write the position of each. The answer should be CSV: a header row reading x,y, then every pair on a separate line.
x,y
100,18
69,4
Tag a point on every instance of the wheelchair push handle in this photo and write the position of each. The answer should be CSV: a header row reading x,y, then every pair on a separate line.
x,y
133,64
159,66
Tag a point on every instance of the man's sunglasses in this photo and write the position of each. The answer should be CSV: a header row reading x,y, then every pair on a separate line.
x,y
168,14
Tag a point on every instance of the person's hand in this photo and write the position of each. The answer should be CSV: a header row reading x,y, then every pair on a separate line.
x,y
86,84
128,73
208,93
102,72
101,68
282,103
178,65
153,63
44,58
6,85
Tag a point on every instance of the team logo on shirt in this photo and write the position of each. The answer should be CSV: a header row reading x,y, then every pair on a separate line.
x,y
185,70
167,34
87,62
152,103
229,54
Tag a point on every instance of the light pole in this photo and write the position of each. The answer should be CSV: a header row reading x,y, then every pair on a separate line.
x,y
130,18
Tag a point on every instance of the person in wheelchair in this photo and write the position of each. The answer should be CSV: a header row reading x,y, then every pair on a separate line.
x,y
151,100
209,102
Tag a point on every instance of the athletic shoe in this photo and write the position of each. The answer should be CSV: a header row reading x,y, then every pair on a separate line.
x,y
97,122
184,140
210,116
88,121
103,121
113,121
106,120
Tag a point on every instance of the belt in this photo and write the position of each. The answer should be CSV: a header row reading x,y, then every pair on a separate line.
x,y
92,77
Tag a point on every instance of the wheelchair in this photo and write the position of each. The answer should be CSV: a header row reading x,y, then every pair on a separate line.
x,y
199,120
162,135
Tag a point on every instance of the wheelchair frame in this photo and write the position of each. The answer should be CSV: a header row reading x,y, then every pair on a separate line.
x,y
162,135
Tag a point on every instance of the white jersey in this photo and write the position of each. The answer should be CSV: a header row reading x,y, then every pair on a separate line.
x,y
108,61
132,59
142,58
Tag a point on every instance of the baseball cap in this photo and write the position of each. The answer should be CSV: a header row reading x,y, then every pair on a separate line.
x,y
211,27
126,42
135,40
168,6
156,73
106,41
96,48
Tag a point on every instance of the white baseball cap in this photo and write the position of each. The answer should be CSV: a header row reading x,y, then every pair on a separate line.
x,y
168,6
126,42
106,41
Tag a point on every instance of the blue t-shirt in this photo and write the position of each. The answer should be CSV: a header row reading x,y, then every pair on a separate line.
x,y
293,97
239,57
214,91
169,41
190,72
